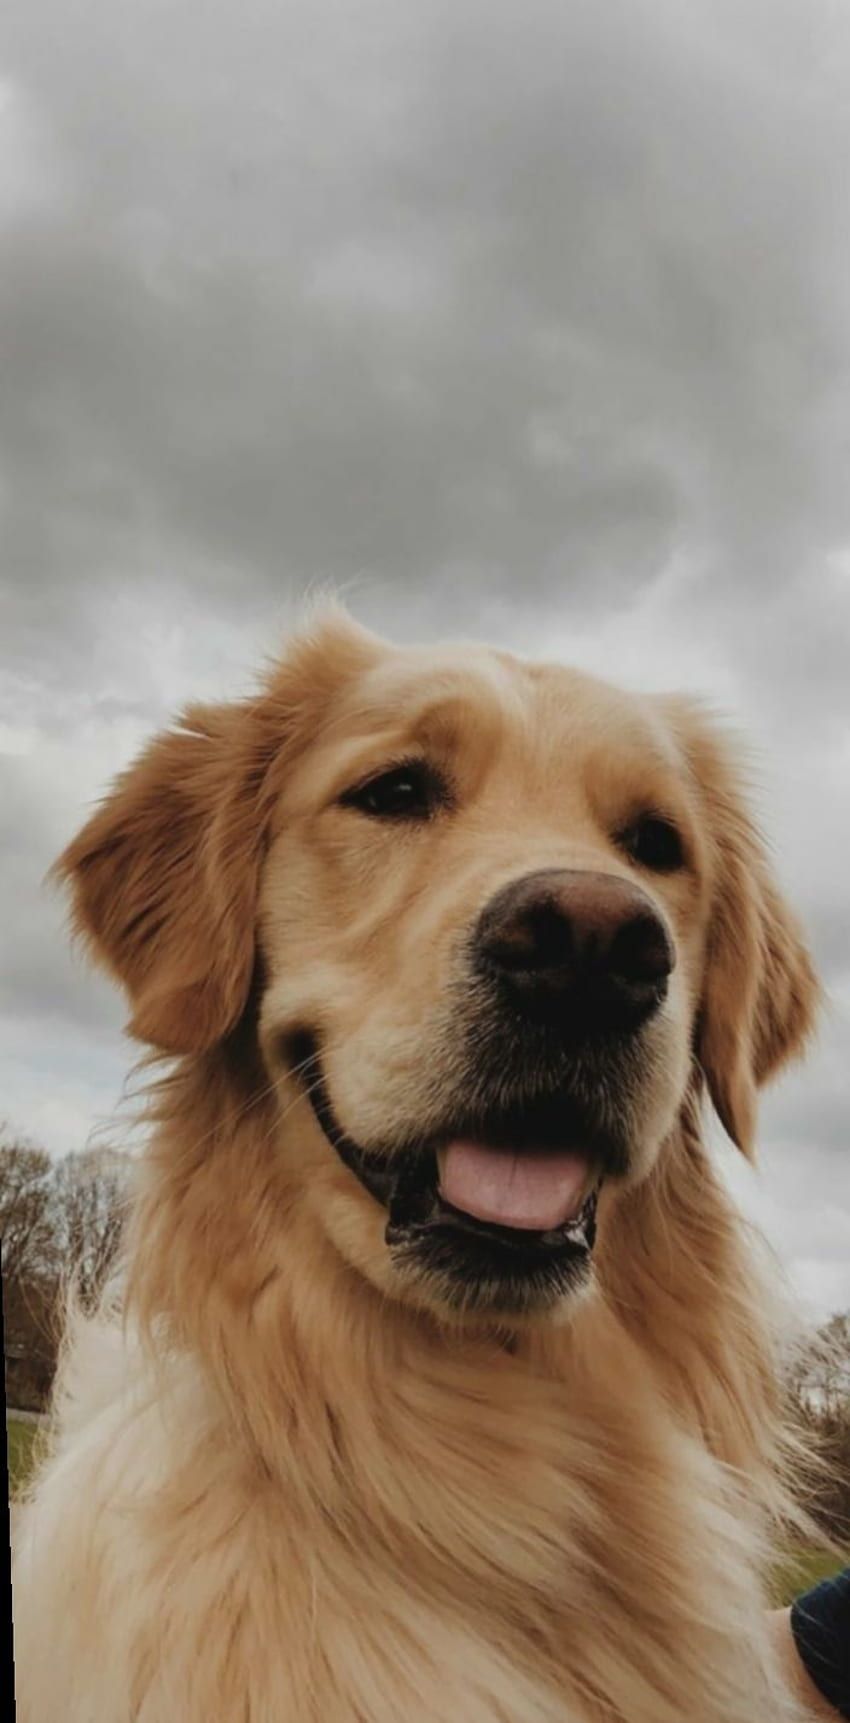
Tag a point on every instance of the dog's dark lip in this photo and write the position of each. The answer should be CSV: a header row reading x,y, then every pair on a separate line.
x,y
408,1186
519,1243
376,1175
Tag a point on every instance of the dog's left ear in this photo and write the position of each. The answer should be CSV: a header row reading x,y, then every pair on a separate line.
x,y
760,991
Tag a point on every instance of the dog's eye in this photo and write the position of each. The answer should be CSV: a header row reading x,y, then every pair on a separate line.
x,y
408,792
654,842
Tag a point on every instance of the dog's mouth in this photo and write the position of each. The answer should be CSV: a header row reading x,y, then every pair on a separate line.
x,y
503,1194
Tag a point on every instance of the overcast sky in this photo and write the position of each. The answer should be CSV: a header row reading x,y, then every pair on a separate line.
x,y
526,322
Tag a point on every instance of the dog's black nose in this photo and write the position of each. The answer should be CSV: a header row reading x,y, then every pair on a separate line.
x,y
587,948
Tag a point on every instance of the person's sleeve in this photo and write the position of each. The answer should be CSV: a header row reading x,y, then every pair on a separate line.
x,y
820,1623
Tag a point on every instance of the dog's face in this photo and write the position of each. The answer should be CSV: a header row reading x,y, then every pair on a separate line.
x,y
492,921
482,918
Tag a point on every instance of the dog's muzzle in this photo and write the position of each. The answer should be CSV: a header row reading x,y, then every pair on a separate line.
x,y
498,1200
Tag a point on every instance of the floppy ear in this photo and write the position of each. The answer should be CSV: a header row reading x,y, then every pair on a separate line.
x,y
165,875
164,879
760,991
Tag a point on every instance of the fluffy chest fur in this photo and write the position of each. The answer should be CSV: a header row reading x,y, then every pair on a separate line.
x,y
480,1536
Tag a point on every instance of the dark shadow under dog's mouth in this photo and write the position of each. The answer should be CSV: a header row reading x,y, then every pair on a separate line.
x,y
502,1192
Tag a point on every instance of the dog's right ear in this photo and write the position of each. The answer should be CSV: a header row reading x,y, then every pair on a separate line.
x,y
164,877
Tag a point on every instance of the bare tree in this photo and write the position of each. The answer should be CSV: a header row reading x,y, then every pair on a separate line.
x,y
820,1378
60,1221
820,1388
25,1211
88,1199
30,1271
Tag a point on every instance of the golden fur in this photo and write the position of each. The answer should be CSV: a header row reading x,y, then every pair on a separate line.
x,y
286,1485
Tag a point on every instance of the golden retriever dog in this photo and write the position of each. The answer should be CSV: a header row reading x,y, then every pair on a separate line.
x,y
443,1386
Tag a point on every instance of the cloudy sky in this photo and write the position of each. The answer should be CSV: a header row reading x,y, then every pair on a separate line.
x,y
528,322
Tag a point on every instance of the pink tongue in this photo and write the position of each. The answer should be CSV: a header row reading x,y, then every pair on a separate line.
x,y
534,1189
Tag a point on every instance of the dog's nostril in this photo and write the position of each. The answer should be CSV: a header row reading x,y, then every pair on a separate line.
x,y
540,937
641,951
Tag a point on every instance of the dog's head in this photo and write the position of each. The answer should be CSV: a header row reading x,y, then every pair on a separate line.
x,y
490,923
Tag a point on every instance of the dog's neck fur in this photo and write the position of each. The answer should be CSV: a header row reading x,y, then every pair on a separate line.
x,y
219,1211
386,1425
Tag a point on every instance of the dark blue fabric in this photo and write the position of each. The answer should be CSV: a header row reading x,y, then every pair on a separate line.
x,y
820,1623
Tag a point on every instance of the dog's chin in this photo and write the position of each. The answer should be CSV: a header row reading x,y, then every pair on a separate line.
x,y
494,1212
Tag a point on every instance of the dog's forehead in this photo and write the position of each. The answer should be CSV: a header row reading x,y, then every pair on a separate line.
x,y
496,717
460,691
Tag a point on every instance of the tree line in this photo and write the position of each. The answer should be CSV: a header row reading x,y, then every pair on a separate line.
x,y
59,1220
819,1388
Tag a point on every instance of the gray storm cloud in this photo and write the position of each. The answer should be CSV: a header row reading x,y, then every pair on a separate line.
x,y
530,323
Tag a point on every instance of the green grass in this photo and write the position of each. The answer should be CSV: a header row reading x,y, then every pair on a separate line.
x,y
20,1438
803,1568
